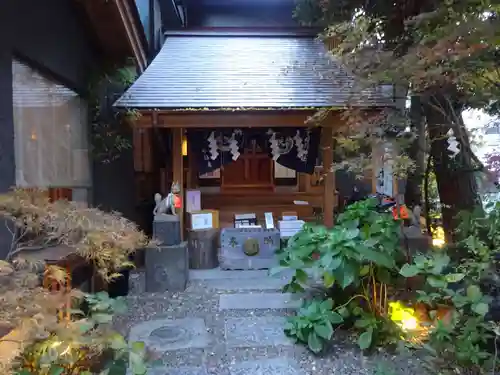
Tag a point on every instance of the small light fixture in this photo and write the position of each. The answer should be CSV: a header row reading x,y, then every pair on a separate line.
x,y
184,146
33,136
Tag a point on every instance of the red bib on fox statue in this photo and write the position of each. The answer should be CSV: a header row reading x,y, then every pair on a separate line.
x,y
177,201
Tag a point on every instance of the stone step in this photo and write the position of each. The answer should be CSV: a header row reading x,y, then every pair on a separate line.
x,y
274,366
218,273
254,332
266,283
254,301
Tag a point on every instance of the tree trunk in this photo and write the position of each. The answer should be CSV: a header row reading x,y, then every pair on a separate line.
x,y
413,191
454,175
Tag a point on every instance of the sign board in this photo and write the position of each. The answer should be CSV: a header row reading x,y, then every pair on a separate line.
x,y
193,200
269,220
201,221
289,228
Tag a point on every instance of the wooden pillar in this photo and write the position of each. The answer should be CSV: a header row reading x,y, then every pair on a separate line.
x,y
178,169
329,185
304,181
375,168
193,167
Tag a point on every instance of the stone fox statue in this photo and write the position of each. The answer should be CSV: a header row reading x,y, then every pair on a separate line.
x,y
170,204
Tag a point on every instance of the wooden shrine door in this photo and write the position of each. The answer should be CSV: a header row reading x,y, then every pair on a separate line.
x,y
253,169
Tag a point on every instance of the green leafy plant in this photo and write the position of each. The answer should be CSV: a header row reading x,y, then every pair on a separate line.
x,y
354,260
98,348
313,324
460,331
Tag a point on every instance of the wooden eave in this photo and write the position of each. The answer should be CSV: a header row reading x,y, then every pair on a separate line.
x,y
118,30
262,118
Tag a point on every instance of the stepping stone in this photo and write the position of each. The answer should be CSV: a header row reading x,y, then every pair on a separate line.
x,y
255,332
171,334
217,273
248,301
267,283
184,370
278,366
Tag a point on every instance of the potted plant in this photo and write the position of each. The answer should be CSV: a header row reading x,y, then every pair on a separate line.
x,y
44,322
47,232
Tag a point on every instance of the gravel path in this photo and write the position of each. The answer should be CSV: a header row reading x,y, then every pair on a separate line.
x,y
220,325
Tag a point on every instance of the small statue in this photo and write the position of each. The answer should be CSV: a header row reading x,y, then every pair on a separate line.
x,y
170,204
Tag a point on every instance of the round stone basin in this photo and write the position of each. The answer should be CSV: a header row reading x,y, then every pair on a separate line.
x,y
169,333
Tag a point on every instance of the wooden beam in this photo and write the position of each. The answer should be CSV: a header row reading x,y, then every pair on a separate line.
x,y
132,32
329,186
178,168
230,119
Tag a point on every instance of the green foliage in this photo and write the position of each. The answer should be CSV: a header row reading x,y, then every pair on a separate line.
x,y
98,349
109,133
313,324
355,255
459,339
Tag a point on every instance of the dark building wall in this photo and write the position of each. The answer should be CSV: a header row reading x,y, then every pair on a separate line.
x,y
49,36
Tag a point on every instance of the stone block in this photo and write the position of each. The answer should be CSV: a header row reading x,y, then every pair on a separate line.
x,y
277,366
171,334
251,301
232,242
265,283
167,268
237,260
167,230
256,331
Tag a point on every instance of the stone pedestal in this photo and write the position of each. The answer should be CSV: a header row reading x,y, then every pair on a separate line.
x,y
203,248
167,230
167,268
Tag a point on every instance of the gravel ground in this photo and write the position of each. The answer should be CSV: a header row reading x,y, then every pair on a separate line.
x,y
200,301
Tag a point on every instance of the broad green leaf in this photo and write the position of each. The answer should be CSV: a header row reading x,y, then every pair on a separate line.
x,y
454,277
328,279
436,282
474,293
409,270
348,278
118,342
480,308
314,342
301,276
364,270
336,263
56,370
138,347
120,305
351,233
365,339
324,330
102,318
440,262
378,258
326,305
85,325
343,312
335,318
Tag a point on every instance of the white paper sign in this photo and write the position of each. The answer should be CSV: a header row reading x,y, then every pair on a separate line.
x,y
269,220
193,200
201,221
